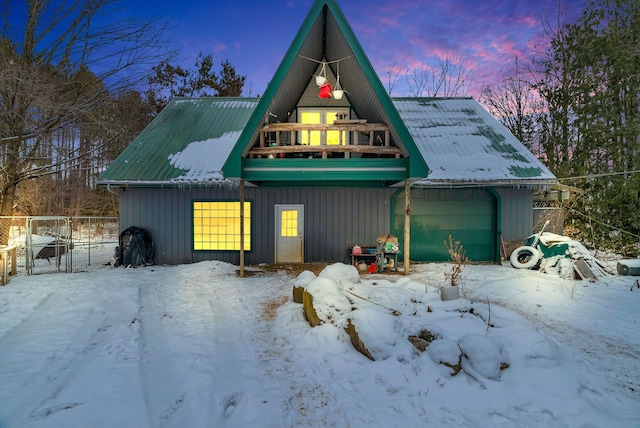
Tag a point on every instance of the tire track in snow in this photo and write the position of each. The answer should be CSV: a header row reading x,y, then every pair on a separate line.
x,y
61,355
241,396
47,302
303,401
195,353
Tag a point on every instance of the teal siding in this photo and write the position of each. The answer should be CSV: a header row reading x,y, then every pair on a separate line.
x,y
467,215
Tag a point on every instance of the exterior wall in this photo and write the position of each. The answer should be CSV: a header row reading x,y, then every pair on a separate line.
x,y
334,219
517,213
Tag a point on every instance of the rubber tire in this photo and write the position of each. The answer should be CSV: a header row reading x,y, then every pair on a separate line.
x,y
525,257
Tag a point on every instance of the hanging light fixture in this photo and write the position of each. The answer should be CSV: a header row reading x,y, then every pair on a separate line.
x,y
325,89
321,78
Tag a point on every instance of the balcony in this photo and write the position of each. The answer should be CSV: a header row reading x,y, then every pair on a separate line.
x,y
284,140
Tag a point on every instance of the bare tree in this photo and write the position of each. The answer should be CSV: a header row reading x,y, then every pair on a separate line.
x,y
394,71
444,75
71,57
515,103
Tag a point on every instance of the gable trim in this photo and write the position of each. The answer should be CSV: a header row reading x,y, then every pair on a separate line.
x,y
233,167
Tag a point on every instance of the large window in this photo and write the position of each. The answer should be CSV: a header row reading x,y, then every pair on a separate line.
x,y
216,226
320,116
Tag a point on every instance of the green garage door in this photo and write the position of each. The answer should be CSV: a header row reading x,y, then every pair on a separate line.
x,y
468,215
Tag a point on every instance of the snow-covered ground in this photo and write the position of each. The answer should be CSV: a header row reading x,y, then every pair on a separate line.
x,y
197,346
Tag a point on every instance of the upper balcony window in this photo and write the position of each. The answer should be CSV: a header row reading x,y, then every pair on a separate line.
x,y
321,117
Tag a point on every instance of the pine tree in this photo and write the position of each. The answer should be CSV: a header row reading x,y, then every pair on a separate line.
x,y
591,86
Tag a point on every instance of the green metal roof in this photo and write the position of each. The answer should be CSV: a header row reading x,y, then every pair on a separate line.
x,y
192,138
192,141
465,144
188,142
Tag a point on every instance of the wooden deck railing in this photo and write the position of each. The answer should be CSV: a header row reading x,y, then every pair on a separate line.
x,y
376,139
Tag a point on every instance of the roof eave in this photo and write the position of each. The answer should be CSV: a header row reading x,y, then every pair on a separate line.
x,y
165,183
511,183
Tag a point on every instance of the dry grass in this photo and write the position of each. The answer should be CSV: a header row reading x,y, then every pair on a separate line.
x,y
294,269
270,308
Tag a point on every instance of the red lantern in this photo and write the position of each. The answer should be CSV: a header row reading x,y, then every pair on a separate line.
x,y
325,91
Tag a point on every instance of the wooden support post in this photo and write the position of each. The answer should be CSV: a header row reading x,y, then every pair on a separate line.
x,y
7,253
241,228
407,226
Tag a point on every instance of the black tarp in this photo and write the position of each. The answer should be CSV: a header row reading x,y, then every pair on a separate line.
x,y
135,248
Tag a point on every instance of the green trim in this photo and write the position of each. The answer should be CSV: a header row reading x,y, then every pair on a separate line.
x,y
498,226
325,170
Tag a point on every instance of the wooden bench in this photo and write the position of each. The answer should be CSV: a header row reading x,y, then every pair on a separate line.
x,y
7,252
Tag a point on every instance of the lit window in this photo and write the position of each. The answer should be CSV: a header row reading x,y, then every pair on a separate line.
x,y
289,223
315,117
216,226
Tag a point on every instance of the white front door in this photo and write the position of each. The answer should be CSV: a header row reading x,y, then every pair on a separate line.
x,y
289,233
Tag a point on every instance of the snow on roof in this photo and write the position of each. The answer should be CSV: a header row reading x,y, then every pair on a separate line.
x,y
202,160
461,142
187,143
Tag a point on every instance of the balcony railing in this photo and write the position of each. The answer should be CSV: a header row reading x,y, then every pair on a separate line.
x,y
355,136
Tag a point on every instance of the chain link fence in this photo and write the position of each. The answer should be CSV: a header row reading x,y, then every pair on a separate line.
x,y
60,244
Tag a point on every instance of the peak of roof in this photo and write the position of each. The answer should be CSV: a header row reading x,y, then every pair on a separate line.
x,y
326,36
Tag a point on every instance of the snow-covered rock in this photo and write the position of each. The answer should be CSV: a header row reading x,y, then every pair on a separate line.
x,y
487,357
324,301
373,332
447,352
341,273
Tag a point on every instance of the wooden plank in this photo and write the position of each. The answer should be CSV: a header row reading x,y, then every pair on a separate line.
x,y
583,270
349,121
363,127
391,150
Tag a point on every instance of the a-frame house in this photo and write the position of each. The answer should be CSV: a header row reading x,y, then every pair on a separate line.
x,y
320,168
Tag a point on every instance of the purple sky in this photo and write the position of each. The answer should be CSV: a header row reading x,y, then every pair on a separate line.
x,y
255,34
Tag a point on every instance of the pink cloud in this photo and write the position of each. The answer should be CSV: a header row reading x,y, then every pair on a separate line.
x,y
217,47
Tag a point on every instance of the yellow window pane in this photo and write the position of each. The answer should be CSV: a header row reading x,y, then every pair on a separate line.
x,y
314,118
289,223
333,137
216,225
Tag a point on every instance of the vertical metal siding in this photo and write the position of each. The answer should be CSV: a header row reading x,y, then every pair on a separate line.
x,y
334,219
517,213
